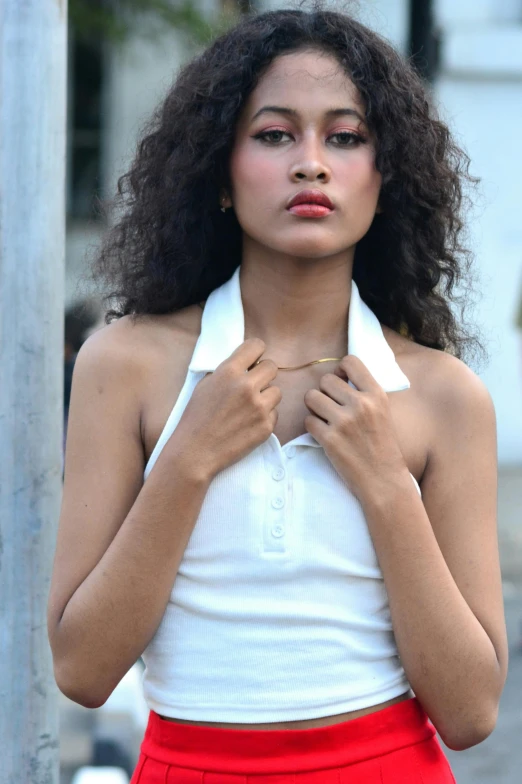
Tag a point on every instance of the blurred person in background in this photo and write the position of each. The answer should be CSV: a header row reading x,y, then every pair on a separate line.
x,y
280,484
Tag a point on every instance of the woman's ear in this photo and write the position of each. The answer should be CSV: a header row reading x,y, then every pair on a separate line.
x,y
224,199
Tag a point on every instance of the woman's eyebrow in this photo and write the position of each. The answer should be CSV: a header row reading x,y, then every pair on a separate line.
x,y
342,112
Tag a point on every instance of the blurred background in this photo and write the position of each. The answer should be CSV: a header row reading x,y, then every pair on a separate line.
x,y
123,55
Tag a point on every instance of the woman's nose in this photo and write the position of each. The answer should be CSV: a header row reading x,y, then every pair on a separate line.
x,y
310,164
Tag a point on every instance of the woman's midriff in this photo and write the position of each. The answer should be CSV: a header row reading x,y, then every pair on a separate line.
x,y
323,721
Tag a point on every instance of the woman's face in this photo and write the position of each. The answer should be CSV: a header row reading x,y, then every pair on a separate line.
x,y
303,128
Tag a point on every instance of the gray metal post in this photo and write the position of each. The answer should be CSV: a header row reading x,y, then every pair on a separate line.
x,y
33,36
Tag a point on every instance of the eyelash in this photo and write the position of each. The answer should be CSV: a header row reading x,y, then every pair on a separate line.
x,y
353,137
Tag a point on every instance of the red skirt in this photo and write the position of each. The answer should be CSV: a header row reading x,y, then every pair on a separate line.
x,y
396,745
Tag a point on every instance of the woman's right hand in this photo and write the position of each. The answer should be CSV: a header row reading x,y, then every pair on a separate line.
x,y
231,410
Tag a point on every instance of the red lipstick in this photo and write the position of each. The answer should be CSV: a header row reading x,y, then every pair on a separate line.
x,y
310,204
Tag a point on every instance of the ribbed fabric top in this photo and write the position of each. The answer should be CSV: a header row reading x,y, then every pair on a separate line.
x,y
278,611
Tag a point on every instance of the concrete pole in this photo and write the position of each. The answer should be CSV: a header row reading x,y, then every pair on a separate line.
x,y
33,36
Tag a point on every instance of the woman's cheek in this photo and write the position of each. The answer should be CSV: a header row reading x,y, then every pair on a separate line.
x,y
360,171
254,176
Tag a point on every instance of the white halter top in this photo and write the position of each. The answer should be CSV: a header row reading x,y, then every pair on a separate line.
x,y
279,610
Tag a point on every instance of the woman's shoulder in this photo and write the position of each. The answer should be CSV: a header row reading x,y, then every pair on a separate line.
x,y
438,377
137,359
143,340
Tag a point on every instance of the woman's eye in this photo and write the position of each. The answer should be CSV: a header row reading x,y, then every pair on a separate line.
x,y
346,138
349,138
264,136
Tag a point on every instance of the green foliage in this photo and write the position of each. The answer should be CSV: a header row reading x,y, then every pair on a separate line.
x,y
114,19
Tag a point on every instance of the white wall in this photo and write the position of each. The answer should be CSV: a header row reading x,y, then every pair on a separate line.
x,y
476,13
480,89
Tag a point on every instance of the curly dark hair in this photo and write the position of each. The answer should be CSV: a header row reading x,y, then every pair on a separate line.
x,y
172,246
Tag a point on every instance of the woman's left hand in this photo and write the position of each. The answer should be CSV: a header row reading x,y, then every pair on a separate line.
x,y
355,426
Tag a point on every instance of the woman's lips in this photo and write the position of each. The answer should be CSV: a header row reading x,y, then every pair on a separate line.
x,y
306,210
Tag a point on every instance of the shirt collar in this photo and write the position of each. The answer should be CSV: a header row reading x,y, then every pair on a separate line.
x,y
223,330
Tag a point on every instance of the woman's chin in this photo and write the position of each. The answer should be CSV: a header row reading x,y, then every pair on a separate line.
x,y
310,248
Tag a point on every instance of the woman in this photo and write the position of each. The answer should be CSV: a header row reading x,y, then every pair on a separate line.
x,y
303,614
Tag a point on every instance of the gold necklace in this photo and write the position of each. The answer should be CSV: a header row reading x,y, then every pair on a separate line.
x,y
295,367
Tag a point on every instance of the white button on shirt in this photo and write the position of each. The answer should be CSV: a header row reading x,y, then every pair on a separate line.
x,y
278,611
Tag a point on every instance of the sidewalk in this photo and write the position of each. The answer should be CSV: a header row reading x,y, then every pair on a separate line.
x,y
510,522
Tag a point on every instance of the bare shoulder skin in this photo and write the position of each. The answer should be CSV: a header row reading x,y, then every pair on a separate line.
x,y
415,411
170,341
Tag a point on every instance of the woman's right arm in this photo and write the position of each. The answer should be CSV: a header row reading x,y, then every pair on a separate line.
x,y
120,541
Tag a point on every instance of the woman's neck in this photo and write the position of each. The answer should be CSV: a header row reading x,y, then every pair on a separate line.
x,y
297,310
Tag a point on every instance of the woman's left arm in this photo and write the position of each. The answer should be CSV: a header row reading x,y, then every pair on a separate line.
x,y
439,555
